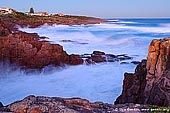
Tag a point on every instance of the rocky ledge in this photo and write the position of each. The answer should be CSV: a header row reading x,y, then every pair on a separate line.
x,y
99,56
150,84
40,104
26,49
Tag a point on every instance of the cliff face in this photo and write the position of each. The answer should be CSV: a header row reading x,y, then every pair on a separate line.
x,y
157,90
150,84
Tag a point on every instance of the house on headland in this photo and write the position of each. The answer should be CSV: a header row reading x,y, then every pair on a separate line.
x,y
60,14
38,14
6,10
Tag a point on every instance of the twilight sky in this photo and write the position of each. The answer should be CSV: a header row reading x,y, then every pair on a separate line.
x,y
97,8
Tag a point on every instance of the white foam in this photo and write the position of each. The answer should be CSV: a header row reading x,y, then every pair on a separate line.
x,y
107,42
101,82
164,29
126,22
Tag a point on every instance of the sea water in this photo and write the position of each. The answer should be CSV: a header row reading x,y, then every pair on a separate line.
x,y
99,82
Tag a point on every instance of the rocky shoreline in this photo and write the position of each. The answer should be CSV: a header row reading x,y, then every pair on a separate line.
x,y
33,21
40,104
150,84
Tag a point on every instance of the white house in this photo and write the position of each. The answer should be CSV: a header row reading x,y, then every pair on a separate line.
x,y
6,10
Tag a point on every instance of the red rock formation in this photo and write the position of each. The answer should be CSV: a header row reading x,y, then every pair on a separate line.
x,y
27,50
158,77
150,84
40,104
133,86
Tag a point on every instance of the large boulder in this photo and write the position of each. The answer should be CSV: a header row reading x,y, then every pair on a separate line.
x,y
150,84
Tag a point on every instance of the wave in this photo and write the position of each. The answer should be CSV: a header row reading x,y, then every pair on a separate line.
x,y
113,20
126,22
80,81
164,29
103,37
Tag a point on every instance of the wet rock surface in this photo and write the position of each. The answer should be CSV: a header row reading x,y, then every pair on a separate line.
x,y
150,84
99,56
40,104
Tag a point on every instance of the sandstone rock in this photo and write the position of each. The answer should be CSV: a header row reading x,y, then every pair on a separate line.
x,y
27,50
40,104
75,60
158,65
133,86
150,84
159,94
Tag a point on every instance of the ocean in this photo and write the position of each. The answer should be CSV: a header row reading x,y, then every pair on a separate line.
x,y
98,82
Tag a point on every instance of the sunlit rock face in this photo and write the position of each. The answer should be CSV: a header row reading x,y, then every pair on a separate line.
x,y
27,50
157,90
150,84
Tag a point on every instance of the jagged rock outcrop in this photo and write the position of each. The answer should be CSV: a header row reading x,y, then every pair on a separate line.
x,y
134,85
152,85
157,90
40,104
27,50
99,56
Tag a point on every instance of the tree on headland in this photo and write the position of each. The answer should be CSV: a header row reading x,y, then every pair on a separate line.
x,y
31,10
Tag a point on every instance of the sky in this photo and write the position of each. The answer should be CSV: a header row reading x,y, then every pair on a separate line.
x,y
95,8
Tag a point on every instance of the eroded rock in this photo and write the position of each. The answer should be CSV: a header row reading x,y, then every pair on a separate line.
x,y
99,56
150,84
40,104
27,50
